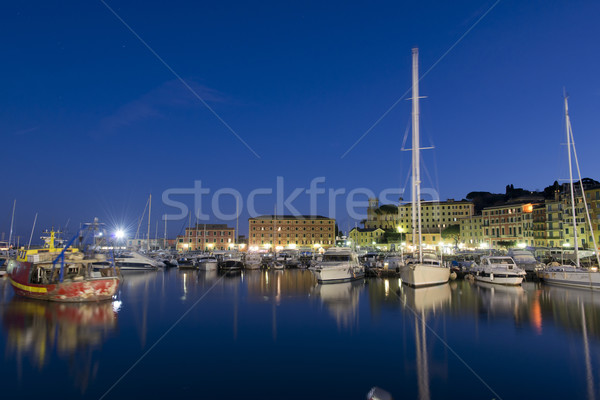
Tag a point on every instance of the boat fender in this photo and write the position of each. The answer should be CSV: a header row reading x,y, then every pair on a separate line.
x,y
453,276
491,276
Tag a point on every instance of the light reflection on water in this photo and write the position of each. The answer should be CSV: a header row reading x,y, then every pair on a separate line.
x,y
282,326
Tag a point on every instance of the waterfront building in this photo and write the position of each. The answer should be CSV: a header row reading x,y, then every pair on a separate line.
x,y
539,226
435,215
291,231
528,228
593,201
554,223
584,235
431,238
366,237
508,223
471,231
559,217
206,237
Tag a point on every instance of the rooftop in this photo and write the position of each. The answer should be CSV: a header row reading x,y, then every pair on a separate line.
x,y
365,229
210,226
290,217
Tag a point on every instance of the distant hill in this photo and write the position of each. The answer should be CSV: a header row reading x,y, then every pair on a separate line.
x,y
511,194
482,200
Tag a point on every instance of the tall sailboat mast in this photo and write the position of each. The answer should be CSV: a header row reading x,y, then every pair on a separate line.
x,y
149,211
165,237
237,220
274,226
416,162
585,204
12,220
568,124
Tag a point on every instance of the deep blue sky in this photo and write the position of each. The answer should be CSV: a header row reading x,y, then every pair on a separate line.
x,y
92,122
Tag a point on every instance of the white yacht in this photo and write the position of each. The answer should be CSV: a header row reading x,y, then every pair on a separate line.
x,y
393,262
136,261
499,270
525,260
574,275
166,258
339,264
571,275
207,263
253,261
231,261
422,271
276,264
287,258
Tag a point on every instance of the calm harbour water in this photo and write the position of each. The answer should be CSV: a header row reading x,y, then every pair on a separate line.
x,y
279,335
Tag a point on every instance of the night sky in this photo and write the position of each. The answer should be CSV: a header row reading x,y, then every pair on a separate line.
x,y
92,121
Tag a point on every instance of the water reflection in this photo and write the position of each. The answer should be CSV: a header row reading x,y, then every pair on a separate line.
x,y
139,284
429,299
389,318
207,278
577,311
278,284
501,300
422,302
35,328
341,300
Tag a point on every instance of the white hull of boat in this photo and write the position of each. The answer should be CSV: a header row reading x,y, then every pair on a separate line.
x,y
208,265
581,279
338,274
252,265
135,267
419,275
511,280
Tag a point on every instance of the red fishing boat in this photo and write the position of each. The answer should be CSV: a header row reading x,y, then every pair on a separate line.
x,y
62,274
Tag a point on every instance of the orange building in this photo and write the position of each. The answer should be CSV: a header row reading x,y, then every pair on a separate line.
x,y
509,222
206,237
290,231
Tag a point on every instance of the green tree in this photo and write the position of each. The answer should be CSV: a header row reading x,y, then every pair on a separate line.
x,y
452,232
391,236
506,243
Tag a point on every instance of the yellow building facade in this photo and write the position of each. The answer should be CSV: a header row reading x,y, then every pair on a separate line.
x,y
434,215
366,237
